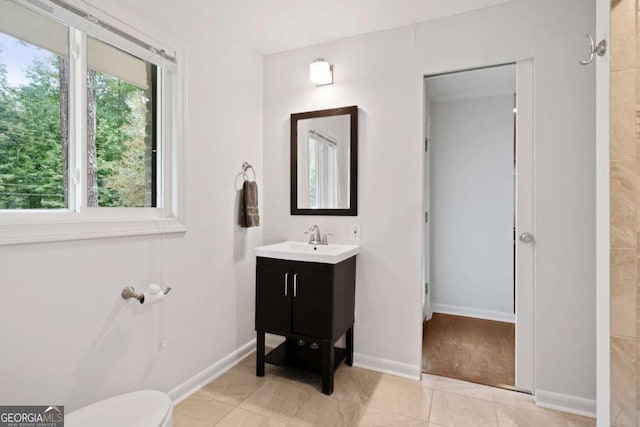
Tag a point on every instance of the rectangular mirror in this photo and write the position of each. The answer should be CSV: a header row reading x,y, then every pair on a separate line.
x,y
324,162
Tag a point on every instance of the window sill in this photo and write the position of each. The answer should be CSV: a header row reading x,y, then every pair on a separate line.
x,y
81,229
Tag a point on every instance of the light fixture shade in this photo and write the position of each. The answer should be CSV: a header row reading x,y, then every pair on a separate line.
x,y
321,72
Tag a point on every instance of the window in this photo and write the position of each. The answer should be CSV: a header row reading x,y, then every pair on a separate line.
x,y
324,182
88,121
121,99
33,95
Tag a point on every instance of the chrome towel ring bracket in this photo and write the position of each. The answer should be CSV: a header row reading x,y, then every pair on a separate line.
x,y
600,49
245,167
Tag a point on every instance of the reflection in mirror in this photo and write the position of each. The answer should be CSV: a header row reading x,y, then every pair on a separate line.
x,y
324,162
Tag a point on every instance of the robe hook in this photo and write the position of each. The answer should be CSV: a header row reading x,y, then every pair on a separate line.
x,y
600,49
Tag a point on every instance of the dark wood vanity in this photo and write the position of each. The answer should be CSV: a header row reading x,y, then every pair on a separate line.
x,y
312,305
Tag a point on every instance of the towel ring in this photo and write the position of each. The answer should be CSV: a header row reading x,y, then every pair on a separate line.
x,y
245,167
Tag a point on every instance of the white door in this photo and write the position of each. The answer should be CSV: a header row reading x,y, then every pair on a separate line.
x,y
525,222
427,311
525,226
603,16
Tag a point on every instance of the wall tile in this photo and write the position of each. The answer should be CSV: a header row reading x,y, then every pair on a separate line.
x,y
623,34
638,369
637,50
623,115
623,382
623,264
623,204
625,216
623,308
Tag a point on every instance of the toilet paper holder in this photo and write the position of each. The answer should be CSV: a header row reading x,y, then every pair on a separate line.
x,y
130,292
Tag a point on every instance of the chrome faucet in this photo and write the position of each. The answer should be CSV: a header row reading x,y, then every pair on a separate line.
x,y
314,235
317,238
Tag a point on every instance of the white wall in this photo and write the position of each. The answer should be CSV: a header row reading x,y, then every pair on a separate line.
x,y
472,205
67,336
383,74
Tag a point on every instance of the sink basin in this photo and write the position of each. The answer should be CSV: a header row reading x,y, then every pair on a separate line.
x,y
332,253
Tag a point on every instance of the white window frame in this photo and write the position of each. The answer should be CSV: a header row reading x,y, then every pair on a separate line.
x,y
79,221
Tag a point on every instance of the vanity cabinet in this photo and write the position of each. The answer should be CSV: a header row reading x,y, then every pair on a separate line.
x,y
312,305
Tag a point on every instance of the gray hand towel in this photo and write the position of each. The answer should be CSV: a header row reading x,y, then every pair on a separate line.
x,y
249,216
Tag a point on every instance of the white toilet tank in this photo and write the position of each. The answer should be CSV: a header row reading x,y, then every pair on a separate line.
x,y
147,408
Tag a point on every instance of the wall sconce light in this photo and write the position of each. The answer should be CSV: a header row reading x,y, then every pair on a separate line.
x,y
321,72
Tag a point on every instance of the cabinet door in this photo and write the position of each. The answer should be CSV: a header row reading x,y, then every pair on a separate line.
x,y
312,303
273,298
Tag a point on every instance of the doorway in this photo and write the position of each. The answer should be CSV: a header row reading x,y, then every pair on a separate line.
x,y
478,199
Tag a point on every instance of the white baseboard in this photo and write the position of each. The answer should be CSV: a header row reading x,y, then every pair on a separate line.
x,y
478,313
386,366
209,374
566,403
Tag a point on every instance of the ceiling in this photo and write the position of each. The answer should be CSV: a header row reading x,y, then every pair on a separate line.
x,y
472,84
271,26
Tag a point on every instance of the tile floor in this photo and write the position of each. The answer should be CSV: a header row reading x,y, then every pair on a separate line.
x,y
360,398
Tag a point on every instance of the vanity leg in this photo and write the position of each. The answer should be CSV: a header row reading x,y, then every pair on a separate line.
x,y
349,340
328,355
260,354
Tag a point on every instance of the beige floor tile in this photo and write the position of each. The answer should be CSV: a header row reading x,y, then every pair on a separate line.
x,y
578,421
186,421
242,418
322,410
511,416
428,380
374,417
464,388
455,410
207,410
249,362
404,397
277,400
294,376
513,398
355,384
272,372
232,387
